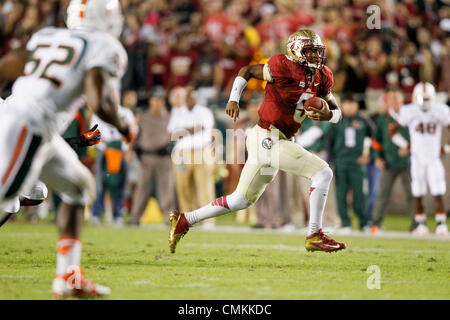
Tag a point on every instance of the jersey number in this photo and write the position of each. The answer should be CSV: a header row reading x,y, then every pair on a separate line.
x,y
299,114
70,53
429,128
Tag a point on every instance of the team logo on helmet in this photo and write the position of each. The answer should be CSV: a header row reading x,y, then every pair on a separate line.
x,y
267,143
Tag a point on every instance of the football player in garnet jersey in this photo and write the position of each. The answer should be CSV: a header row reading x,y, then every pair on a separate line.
x,y
292,79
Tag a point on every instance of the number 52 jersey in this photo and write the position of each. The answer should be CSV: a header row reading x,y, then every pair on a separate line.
x,y
54,74
425,129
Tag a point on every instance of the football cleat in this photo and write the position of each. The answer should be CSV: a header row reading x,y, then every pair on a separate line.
x,y
69,286
320,242
420,230
179,226
442,230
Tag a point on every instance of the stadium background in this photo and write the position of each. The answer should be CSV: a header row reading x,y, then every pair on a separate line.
x,y
204,43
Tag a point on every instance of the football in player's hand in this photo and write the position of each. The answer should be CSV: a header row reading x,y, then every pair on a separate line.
x,y
314,102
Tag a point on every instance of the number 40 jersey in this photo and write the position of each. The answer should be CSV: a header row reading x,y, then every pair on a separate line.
x,y
54,74
425,129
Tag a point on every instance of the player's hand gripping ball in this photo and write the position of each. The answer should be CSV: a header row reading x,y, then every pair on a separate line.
x,y
314,102
317,109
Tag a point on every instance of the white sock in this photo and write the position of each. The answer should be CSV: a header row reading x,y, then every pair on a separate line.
x,y
318,197
218,207
441,217
420,218
69,255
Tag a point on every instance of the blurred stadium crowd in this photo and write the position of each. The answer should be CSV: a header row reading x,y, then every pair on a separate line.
x,y
174,45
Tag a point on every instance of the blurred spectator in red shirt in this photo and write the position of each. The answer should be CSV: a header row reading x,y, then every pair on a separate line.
x,y
374,61
408,69
181,62
445,69
204,75
303,15
157,68
283,23
265,27
215,22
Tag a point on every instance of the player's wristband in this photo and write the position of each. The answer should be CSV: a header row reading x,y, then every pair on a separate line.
x,y
336,116
239,85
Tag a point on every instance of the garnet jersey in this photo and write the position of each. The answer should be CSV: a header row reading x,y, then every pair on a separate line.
x,y
286,93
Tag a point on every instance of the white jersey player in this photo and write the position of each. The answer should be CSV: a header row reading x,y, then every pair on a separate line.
x,y
37,192
34,195
62,64
425,119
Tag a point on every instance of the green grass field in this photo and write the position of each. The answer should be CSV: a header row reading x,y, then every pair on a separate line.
x,y
136,264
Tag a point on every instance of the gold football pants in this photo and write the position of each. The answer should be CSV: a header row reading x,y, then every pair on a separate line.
x,y
269,151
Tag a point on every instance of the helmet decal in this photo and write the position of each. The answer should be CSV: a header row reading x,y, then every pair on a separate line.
x,y
82,8
102,15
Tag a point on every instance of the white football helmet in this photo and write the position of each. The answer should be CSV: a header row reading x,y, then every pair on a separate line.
x,y
424,95
104,15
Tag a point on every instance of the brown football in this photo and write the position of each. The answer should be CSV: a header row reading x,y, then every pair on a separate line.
x,y
314,102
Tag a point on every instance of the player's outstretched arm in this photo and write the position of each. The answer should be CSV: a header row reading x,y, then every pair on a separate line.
x,y
256,71
103,100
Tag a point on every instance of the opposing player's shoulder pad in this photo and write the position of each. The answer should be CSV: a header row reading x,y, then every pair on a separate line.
x,y
31,44
405,113
408,105
443,108
406,108
107,52
443,113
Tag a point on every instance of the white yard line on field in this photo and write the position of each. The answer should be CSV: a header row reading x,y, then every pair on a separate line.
x,y
303,231
291,248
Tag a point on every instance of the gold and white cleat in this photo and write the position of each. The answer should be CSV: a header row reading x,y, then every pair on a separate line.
x,y
179,226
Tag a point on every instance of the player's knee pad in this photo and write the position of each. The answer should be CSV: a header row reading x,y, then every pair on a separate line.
x,y
322,179
236,201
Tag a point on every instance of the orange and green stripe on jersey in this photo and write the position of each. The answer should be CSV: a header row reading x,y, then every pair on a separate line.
x,y
23,163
